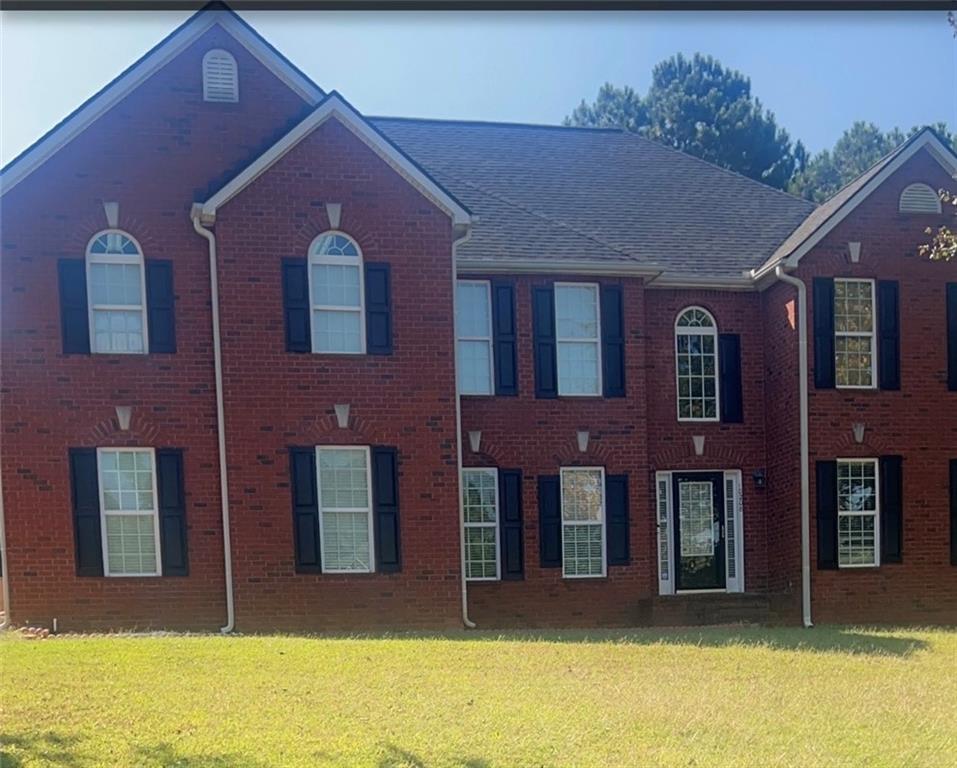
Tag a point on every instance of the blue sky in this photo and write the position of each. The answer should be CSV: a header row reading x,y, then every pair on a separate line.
x,y
818,72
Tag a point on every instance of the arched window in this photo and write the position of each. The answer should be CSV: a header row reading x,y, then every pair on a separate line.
x,y
116,287
919,198
220,76
696,357
337,292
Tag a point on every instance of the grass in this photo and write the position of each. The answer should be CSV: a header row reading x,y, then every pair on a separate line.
x,y
710,697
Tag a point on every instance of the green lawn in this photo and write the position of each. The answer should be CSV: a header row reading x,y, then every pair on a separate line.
x,y
712,697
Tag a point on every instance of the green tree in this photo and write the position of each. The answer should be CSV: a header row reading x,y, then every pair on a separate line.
x,y
699,107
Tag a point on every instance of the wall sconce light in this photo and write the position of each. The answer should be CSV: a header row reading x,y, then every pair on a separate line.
x,y
854,251
342,414
858,429
123,415
475,440
698,441
583,441
759,478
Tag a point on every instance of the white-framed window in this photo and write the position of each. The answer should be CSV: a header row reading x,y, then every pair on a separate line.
x,y
337,295
858,507
855,323
480,509
220,76
578,338
116,291
696,365
473,330
129,511
345,509
583,522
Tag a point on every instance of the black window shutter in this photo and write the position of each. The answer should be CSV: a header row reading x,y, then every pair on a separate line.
x,y
612,341
172,511
160,302
892,509
295,305
823,332
952,337
378,309
85,493
385,500
305,509
74,313
888,335
546,352
549,521
616,507
503,338
729,369
510,523
953,511
826,514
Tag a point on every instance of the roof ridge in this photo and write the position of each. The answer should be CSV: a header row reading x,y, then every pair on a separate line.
x,y
500,123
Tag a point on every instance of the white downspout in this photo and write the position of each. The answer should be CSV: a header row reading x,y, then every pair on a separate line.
x,y
458,433
220,416
805,467
6,563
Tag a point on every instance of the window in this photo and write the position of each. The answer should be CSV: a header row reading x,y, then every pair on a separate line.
x,y
220,78
480,505
919,198
337,290
127,479
854,324
345,510
583,522
696,363
577,334
473,329
116,287
857,508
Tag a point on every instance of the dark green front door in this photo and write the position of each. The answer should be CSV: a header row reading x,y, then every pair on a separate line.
x,y
699,530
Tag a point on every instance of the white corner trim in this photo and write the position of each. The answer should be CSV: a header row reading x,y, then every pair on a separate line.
x,y
334,106
165,51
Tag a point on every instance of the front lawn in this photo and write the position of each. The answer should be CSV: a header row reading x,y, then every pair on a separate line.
x,y
711,697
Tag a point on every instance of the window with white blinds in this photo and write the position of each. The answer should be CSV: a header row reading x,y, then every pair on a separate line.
x,y
128,505
220,76
345,509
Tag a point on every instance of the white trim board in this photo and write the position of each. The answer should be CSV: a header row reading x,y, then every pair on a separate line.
x,y
334,106
161,54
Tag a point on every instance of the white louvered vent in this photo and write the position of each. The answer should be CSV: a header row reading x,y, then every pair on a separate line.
x,y
919,198
220,78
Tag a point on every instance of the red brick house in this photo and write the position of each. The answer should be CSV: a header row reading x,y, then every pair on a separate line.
x,y
273,364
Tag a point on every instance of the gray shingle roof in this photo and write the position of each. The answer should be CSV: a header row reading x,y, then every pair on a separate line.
x,y
578,194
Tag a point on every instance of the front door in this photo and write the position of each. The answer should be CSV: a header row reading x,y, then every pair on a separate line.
x,y
699,530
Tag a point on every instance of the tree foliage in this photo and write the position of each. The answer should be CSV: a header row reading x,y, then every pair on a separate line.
x,y
943,243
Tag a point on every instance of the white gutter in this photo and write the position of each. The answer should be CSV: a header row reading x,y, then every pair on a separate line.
x,y
220,417
6,564
458,434
805,467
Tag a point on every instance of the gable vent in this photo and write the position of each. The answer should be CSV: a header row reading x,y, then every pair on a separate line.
x,y
220,78
919,198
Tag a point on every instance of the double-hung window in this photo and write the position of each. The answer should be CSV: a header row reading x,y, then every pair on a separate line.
x,y
696,364
583,521
578,338
480,505
128,504
345,509
116,286
473,328
858,505
855,321
337,294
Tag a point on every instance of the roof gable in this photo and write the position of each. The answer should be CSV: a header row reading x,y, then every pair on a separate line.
x,y
336,107
131,78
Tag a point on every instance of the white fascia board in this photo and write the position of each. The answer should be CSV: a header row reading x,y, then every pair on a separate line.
x,y
506,266
165,51
674,282
335,107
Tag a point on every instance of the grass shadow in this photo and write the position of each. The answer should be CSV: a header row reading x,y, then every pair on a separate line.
x,y
168,756
51,748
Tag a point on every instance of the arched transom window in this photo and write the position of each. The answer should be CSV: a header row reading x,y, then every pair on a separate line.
x,y
337,295
116,287
696,355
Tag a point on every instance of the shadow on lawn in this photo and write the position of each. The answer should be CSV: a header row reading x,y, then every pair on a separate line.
x,y
845,640
396,757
